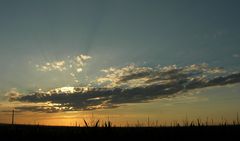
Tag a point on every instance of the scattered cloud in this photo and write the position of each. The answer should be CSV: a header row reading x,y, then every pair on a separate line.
x,y
129,84
76,62
74,65
52,66
79,62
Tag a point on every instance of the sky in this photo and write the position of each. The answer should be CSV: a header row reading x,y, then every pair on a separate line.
x,y
127,60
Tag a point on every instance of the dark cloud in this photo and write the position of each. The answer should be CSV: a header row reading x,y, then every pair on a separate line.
x,y
151,84
136,75
223,80
133,76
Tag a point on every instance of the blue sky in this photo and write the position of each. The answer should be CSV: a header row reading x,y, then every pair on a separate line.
x,y
113,33
117,33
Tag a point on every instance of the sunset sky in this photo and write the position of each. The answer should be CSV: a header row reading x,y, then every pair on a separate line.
x,y
62,61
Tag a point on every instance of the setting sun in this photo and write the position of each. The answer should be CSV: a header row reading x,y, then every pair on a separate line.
x,y
119,63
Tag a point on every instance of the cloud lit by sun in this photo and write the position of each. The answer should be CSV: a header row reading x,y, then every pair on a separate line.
x,y
72,65
128,84
103,55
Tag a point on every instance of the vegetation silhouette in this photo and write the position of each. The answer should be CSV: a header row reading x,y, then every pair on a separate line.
x,y
93,129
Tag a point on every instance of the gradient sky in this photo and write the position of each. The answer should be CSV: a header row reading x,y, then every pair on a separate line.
x,y
49,44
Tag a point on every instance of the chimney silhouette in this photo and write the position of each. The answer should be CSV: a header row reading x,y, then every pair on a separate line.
x,y
13,117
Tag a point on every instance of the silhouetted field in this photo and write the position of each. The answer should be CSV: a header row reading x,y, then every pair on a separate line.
x,y
35,132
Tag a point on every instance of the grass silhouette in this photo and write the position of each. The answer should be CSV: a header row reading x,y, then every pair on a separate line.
x,y
93,129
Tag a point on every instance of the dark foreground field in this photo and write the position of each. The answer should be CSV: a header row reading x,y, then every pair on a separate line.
x,y
28,132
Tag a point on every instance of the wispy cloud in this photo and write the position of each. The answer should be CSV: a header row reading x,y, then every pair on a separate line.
x,y
236,55
130,84
52,66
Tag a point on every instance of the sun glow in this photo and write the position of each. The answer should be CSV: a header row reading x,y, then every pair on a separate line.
x,y
68,90
62,90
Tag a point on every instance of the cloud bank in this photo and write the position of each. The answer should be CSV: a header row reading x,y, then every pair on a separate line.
x,y
129,84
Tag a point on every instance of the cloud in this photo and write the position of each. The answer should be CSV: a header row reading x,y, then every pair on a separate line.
x,y
129,84
46,109
73,65
85,57
52,66
117,77
134,76
79,62
13,94
76,62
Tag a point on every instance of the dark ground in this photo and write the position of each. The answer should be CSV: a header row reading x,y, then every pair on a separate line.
x,y
29,132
